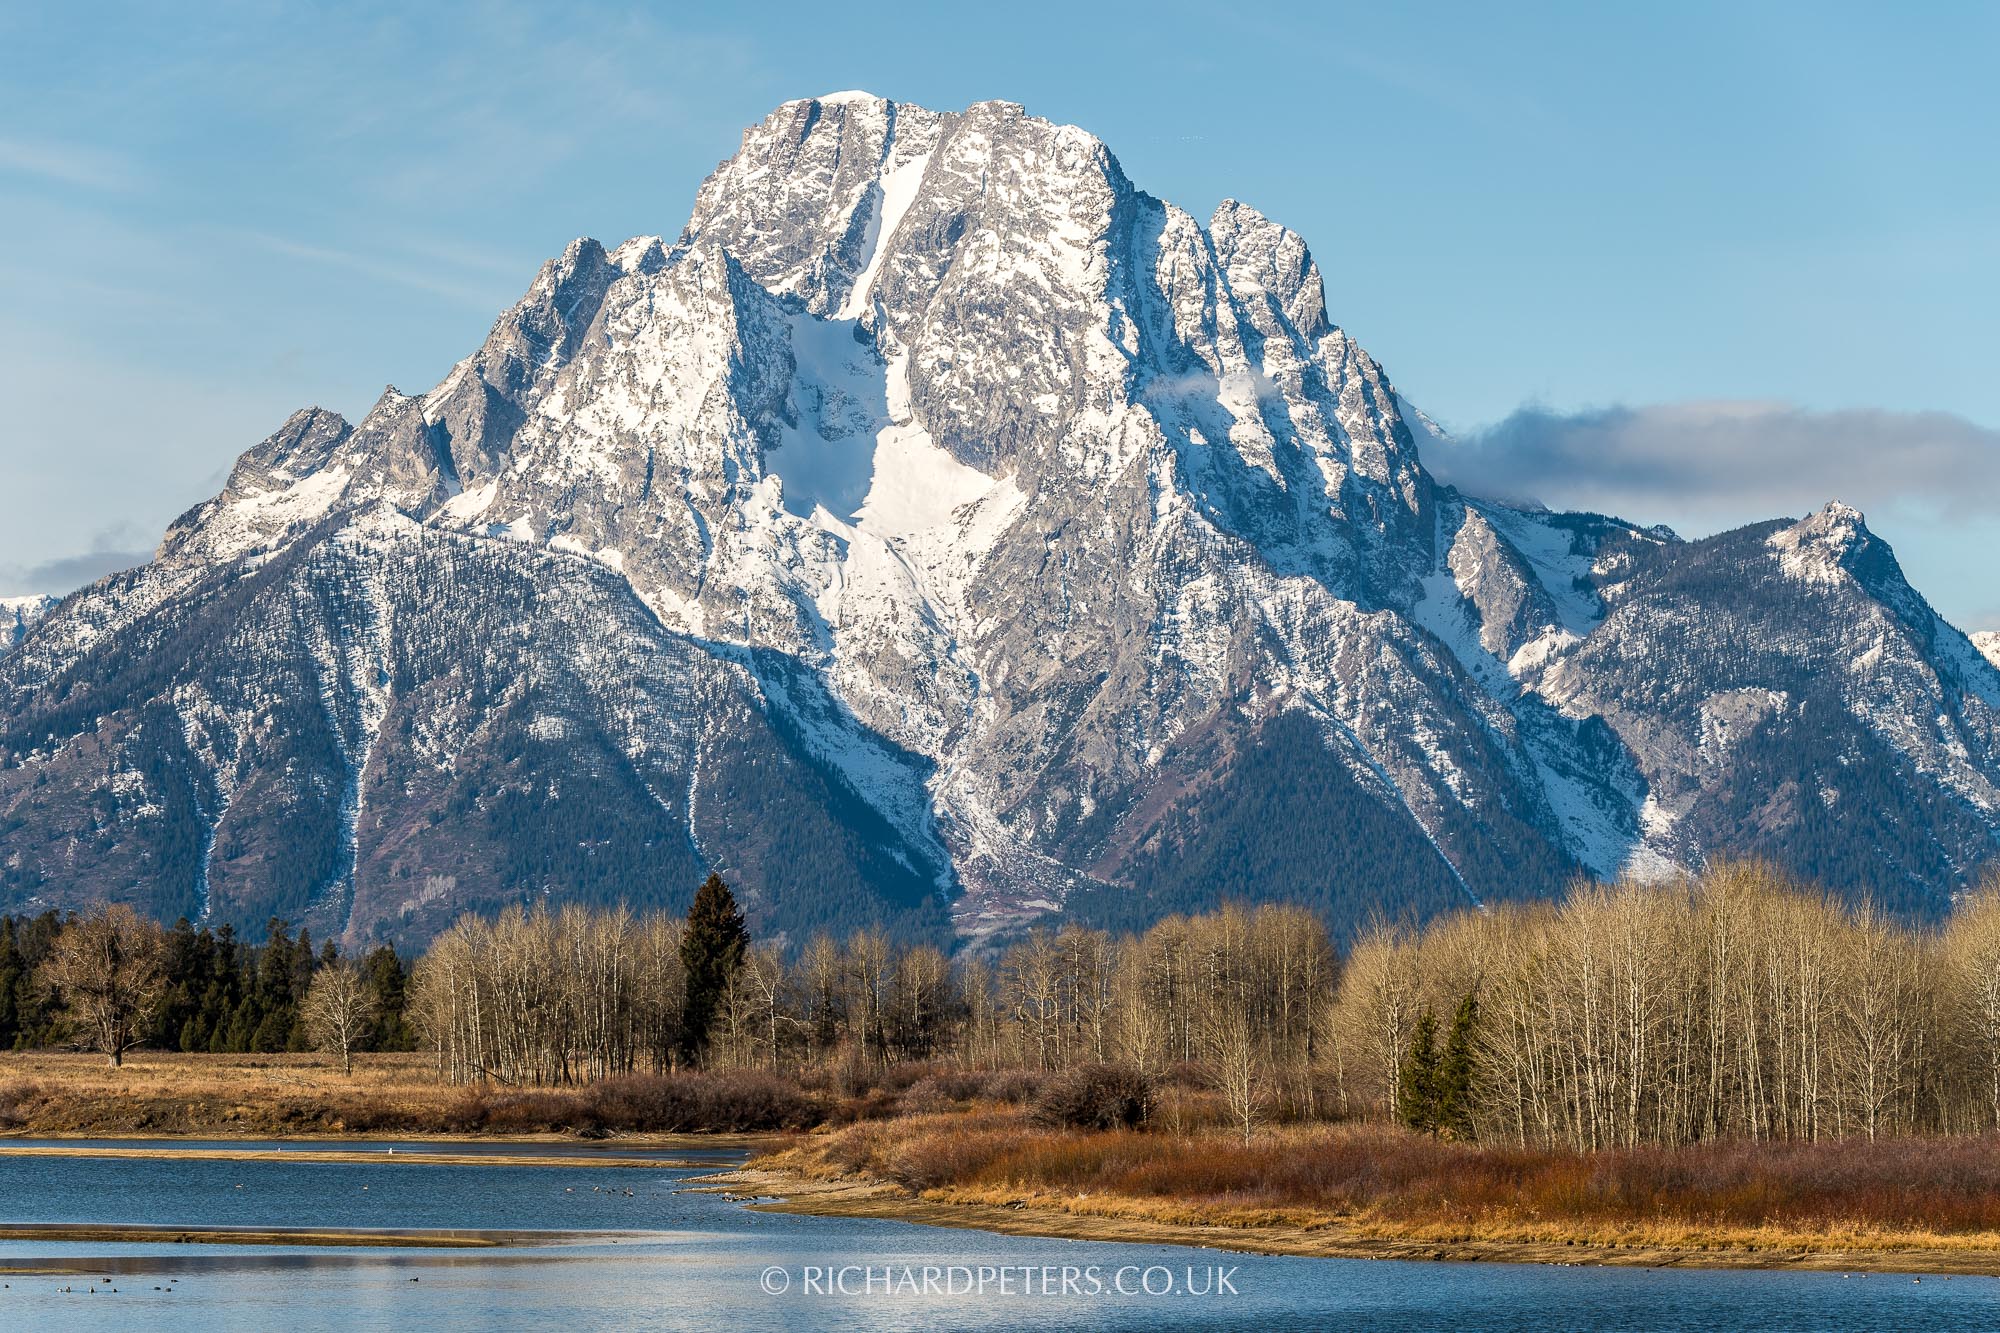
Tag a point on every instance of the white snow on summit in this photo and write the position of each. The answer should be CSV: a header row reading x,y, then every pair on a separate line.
x,y
18,613
1033,502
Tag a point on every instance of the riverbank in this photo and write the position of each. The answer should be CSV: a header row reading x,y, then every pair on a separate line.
x,y
48,1094
1365,1191
1335,1240
52,1094
341,1237
375,1156
1410,1198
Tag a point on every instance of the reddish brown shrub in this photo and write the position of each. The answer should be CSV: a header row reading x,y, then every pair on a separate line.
x,y
736,1102
1096,1096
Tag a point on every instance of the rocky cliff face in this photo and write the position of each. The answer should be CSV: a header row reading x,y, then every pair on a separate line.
x,y
941,531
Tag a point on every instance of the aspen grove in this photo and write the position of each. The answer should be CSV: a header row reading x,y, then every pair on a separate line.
x,y
1735,1004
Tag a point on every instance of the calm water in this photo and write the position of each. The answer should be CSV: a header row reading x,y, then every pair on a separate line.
x,y
660,1257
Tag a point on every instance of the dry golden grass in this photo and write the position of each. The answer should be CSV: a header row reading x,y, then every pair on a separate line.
x,y
1378,1182
43,1093
56,1093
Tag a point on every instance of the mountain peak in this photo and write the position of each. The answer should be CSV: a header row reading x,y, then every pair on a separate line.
x,y
941,503
847,97
1821,547
18,614
1836,514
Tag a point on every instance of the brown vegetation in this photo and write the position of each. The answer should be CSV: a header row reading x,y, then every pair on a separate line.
x,y
1736,1006
1714,1061
1381,1181
1732,1005
53,1094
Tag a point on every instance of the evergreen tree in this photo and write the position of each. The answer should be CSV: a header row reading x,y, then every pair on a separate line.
x,y
271,1025
186,980
389,980
1455,1092
302,961
272,1034
10,977
711,951
35,1010
1417,1080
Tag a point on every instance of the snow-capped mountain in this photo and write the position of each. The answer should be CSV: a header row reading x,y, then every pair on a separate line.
x,y
943,531
17,613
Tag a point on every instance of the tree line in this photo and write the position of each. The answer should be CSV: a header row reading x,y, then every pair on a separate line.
x,y
1732,1004
1737,1004
549,997
181,988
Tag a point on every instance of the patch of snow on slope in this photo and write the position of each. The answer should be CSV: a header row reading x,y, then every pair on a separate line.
x,y
898,191
1592,834
1594,825
827,461
521,529
888,782
1649,860
435,399
1548,551
18,613
1976,662
676,611
468,505
1445,612
1812,549
628,256
253,519
916,484
942,515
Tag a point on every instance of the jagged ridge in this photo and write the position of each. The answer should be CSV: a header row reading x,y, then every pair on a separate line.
x,y
1050,542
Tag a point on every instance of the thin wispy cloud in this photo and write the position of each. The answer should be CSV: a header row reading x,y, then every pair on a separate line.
x,y
67,164
387,270
474,258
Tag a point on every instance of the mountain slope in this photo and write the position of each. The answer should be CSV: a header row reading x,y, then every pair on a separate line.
x,y
941,528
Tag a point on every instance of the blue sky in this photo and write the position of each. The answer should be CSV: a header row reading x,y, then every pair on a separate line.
x,y
1767,235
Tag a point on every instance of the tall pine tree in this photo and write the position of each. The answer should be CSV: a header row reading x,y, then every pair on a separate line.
x,y
1455,1092
1417,1080
10,977
711,950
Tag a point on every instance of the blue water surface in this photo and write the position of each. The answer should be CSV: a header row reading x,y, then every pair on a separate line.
x,y
649,1251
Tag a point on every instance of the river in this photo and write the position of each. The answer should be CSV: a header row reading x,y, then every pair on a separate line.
x,y
641,1249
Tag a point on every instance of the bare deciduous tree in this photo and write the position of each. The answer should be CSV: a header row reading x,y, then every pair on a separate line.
x,y
1236,1058
1733,1004
338,1009
1972,999
106,972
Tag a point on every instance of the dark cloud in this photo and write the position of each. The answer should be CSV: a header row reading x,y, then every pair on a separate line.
x,y
1732,460
110,551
